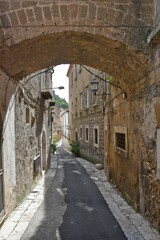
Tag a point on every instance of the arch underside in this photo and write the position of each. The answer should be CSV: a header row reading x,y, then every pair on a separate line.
x,y
111,56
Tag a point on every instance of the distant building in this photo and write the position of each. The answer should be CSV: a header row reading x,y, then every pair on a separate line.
x,y
60,123
65,124
86,112
57,124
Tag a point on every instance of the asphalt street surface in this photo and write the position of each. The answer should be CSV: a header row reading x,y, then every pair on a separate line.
x,y
74,208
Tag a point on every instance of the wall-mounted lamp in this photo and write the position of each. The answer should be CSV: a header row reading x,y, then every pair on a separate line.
x,y
94,88
94,85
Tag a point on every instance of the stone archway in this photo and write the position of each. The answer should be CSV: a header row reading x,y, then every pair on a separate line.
x,y
110,36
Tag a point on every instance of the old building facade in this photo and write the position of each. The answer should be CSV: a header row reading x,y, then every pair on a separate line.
x,y
25,137
57,123
86,112
132,140
129,120
117,37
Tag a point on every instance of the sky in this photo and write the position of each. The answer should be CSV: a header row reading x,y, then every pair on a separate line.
x,y
59,79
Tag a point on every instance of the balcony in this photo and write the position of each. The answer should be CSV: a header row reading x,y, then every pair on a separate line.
x,y
46,94
46,86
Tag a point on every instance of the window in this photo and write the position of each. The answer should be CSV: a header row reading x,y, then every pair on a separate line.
x,y
158,153
96,136
75,72
105,140
120,140
94,99
87,134
76,106
27,115
157,113
71,79
80,69
87,104
81,101
76,135
81,133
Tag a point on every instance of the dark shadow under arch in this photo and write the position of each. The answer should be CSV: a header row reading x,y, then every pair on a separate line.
x,y
105,54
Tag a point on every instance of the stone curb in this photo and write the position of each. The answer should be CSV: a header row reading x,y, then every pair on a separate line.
x,y
133,224
16,224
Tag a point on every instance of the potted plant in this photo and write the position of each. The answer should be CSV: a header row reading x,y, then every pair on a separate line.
x,y
75,148
53,146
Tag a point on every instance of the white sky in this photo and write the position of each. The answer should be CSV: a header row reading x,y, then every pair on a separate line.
x,y
59,79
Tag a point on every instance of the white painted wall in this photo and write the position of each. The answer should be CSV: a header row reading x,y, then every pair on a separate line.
x,y
8,149
65,124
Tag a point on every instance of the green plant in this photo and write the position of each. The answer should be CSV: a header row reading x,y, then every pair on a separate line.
x,y
75,147
53,147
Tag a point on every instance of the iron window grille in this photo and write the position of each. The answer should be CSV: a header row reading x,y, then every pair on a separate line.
x,y
120,141
87,134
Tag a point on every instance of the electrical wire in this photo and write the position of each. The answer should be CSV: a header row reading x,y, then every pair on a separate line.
x,y
115,85
19,87
27,79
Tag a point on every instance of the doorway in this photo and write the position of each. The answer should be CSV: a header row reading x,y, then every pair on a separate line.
x,y
44,160
1,174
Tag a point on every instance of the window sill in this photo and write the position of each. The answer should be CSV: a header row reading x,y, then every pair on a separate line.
x,y
121,152
96,145
95,105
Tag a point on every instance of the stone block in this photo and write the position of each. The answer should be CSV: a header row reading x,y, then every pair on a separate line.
x,y
73,10
47,13
101,13
92,12
14,5
14,19
4,6
55,11
38,13
5,21
22,16
64,11
26,4
30,15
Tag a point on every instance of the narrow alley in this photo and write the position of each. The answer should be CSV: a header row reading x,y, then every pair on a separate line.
x,y
75,202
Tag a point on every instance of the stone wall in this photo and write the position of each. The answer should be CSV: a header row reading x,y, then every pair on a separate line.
x,y
32,127
7,107
87,149
27,138
136,173
157,13
9,158
86,111
58,32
